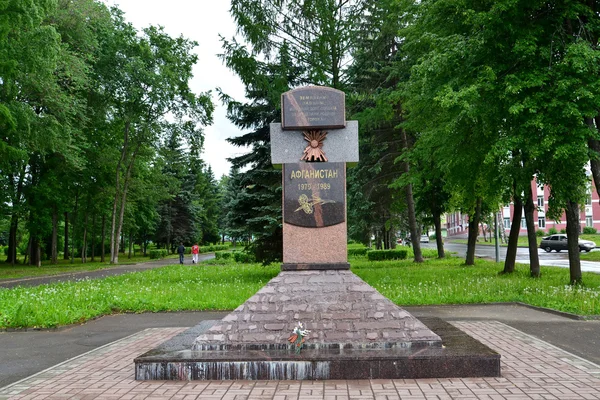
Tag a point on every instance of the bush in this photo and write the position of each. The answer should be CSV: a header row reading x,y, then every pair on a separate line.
x,y
588,230
552,231
358,252
540,233
222,255
563,231
380,255
242,257
158,254
213,247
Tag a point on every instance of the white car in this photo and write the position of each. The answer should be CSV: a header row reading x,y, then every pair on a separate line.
x,y
424,239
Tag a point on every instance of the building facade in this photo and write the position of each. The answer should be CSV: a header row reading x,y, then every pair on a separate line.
x,y
458,223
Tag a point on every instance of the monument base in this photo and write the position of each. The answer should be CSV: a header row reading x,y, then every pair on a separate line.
x,y
355,333
461,356
314,266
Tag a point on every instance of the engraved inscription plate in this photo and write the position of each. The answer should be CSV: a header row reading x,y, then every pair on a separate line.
x,y
313,107
314,194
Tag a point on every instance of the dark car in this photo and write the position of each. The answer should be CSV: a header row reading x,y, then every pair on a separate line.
x,y
558,242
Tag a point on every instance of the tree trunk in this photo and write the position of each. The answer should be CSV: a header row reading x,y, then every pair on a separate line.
x,y
12,239
572,212
130,244
410,207
54,254
483,231
66,247
473,233
73,227
38,255
123,201
93,236
27,253
84,247
594,146
103,239
35,254
534,259
513,239
114,236
437,222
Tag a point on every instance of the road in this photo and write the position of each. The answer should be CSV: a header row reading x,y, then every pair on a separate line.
x,y
547,259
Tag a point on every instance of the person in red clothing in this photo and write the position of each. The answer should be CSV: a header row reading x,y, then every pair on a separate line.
x,y
195,251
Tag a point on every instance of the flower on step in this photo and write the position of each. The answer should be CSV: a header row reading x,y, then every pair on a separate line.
x,y
297,338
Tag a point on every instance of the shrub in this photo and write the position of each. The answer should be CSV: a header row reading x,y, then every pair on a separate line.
x,y
380,255
540,233
552,231
588,230
242,257
563,231
212,247
158,254
358,252
222,255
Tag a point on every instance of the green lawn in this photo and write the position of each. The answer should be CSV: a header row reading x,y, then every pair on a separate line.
x,y
223,285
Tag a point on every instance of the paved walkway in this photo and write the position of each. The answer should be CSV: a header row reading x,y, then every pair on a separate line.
x,y
532,368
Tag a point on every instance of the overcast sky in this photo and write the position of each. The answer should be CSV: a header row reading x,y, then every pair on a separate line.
x,y
202,21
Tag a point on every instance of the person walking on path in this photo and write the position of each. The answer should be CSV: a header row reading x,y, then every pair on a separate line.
x,y
195,251
181,251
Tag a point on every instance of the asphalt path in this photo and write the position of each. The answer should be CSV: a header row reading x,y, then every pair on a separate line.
x,y
552,259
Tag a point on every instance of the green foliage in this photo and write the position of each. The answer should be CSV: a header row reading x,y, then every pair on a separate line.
x,y
158,254
552,231
540,233
358,251
213,247
563,231
223,255
381,255
588,230
243,257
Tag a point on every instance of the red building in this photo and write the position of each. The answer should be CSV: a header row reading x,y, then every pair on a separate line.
x,y
458,223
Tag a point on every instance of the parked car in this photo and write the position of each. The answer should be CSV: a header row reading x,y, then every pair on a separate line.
x,y
424,239
558,242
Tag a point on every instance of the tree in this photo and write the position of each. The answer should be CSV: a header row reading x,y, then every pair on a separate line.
x,y
145,79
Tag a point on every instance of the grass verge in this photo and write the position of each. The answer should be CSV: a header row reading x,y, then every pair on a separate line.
x,y
172,288
448,281
8,271
224,285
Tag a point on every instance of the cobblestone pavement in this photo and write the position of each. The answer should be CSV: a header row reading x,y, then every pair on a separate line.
x,y
531,369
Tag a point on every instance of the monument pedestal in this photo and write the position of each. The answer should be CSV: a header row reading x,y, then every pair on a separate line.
x,y
356,333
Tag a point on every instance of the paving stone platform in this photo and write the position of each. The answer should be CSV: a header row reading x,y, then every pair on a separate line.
x,y
340,309
531,369
355,333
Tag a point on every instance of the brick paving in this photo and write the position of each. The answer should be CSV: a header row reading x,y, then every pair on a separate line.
x,y
531,369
